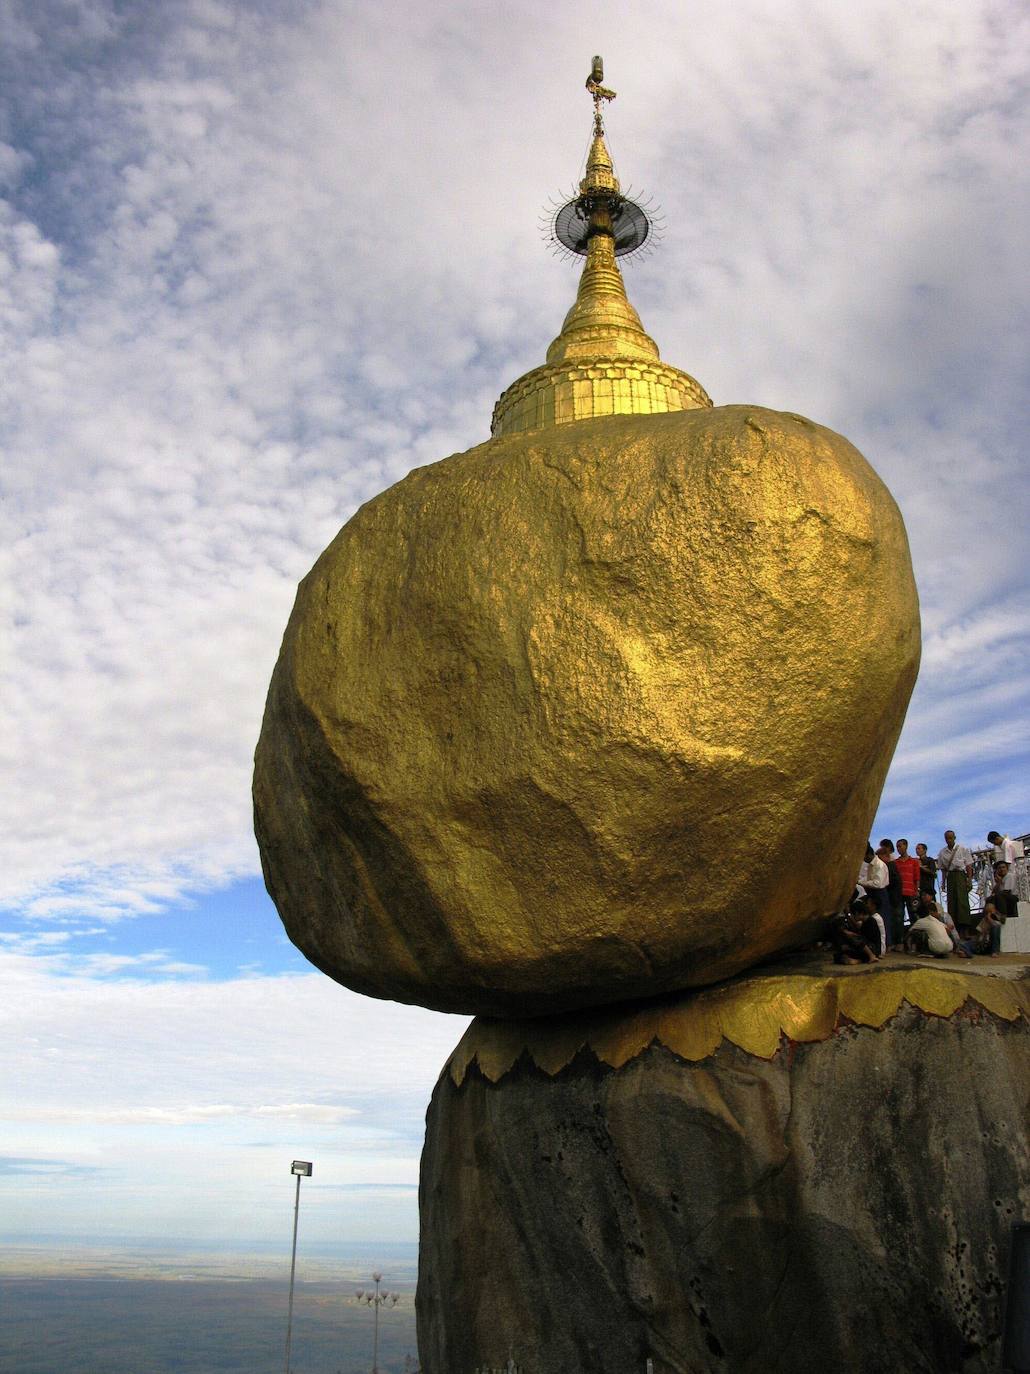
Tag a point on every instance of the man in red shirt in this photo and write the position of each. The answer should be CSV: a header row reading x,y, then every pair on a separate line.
x,y
908,871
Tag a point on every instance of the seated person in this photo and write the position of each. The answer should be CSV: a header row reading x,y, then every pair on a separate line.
x,y
928,907
871,926
929,936
987,935
849,945
1006,903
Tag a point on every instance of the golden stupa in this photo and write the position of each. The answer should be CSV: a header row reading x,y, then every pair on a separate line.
x,y
602,362
600,708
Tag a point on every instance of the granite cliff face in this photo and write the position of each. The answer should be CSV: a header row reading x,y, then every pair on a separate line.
x,y
529,693
842,1205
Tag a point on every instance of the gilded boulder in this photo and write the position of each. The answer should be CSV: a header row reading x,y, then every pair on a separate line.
x,y
588,713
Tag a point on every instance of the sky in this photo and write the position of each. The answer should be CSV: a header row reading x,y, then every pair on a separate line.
x,y
257,261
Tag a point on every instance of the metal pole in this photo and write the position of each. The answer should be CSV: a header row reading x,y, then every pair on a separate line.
x,y
375,1339
293,1270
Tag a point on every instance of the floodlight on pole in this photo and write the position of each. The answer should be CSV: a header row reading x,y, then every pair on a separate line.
x,y
300,1168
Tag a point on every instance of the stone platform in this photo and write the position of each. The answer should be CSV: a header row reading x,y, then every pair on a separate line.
x,y
807,1168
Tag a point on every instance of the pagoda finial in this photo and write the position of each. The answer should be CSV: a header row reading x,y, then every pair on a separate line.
x,y
601,323
599,92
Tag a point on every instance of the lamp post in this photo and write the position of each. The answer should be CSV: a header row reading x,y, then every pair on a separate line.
x,y
376,1300
300,1168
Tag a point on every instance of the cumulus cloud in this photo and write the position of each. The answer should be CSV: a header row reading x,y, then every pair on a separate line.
x,y
92,1045
257,262
142,1089
49,947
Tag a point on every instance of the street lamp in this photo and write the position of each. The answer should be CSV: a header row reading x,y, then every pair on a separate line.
x,y
300,1168
376,1300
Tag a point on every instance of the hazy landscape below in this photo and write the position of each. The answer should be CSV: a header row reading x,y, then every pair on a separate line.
x,y
144,1309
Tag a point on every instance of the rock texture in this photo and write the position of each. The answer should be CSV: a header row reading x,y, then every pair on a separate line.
x,y
843,1205
530,695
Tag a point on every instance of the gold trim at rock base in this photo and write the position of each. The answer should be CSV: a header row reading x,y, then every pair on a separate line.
x,y
804,1000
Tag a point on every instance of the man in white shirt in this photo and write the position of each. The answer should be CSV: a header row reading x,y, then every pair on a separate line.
x,y
876,874
955,864
928,935
1006,851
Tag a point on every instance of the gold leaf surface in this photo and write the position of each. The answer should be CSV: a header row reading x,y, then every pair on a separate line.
x,y
807,1000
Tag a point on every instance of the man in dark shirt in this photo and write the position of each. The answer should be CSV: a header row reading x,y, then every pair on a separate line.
x,y
896,934
927,870
870,924
846,936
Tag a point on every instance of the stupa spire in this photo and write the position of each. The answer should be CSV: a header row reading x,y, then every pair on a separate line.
x,y
602,362
601,323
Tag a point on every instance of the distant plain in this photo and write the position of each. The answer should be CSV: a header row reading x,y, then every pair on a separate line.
x,y
149,1310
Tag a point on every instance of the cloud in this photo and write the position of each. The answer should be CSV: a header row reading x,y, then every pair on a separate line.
x,y
154,1085
47,948
246,283
39,1168
229,325
309,1113
103,1047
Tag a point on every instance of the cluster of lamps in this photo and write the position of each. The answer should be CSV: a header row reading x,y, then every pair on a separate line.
x,y
375,1299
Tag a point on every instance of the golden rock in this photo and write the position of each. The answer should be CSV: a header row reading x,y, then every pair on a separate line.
x,y
588,713
601,708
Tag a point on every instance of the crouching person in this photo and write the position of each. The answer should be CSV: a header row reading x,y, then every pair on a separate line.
x,y
870,923
929,935
987,935
848,939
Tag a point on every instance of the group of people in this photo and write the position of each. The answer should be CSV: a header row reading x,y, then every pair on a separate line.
x,y
894,905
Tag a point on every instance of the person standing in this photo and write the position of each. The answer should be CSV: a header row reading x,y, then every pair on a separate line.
x,y
927,871
863,873
894,894
909,869
877,885
956,865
